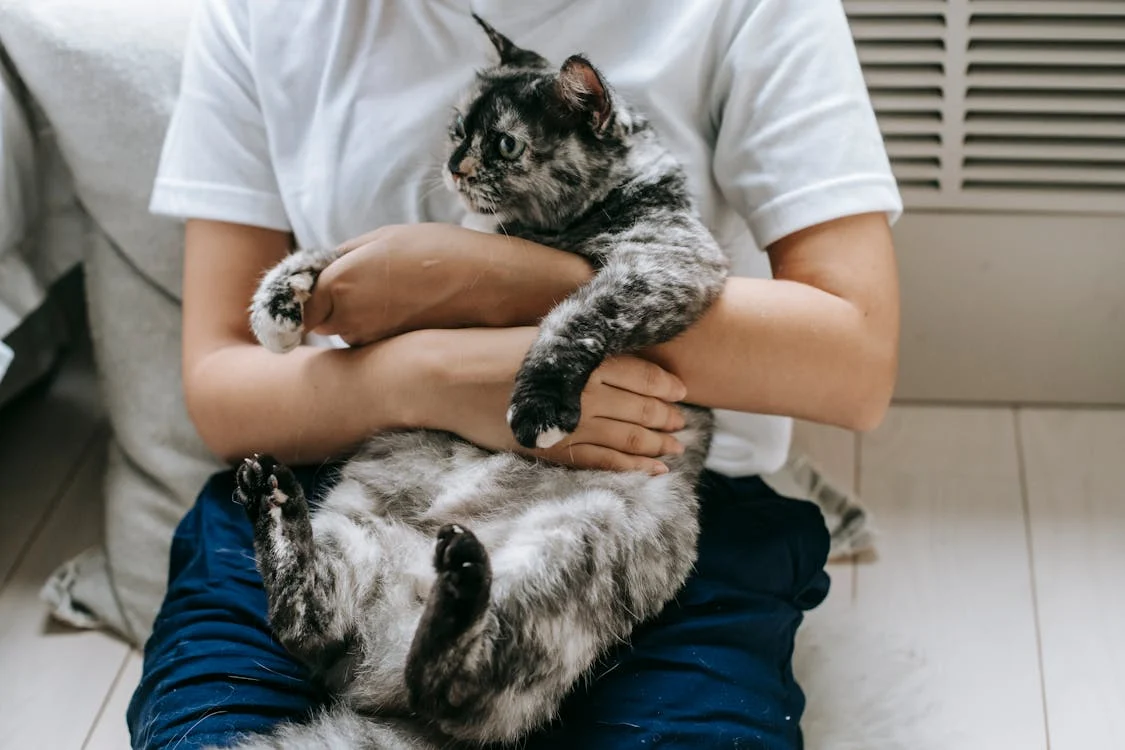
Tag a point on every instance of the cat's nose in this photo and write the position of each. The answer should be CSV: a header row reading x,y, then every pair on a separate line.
x,y
466,167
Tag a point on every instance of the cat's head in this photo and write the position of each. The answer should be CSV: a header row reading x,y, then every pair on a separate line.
x,y
534,143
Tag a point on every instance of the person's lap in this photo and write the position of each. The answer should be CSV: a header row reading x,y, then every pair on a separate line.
x,y
712,671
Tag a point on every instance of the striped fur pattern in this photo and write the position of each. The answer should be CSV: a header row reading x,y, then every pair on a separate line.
x,y
462,592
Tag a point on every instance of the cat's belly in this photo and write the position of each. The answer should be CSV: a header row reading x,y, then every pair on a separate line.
x,y
428,479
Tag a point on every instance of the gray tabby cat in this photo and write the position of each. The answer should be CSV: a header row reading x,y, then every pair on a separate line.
x,y
537,569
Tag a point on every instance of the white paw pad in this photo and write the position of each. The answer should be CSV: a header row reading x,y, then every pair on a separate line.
x,y
549,438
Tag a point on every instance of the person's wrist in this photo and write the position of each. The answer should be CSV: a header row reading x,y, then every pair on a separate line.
x,y
453,370
404,374
474,277
508,282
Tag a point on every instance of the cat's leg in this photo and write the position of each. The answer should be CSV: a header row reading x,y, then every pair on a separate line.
x,y
644,295
452,638
310,609
278,307
574,578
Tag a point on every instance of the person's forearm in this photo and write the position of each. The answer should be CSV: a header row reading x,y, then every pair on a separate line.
x,y
779,347
819,341
782,347
403,278
516,282
767,346
303,407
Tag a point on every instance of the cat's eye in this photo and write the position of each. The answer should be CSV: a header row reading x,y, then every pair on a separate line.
x,y
458,129
510,147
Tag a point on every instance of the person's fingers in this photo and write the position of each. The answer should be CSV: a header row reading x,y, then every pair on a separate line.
x,y
357,242
624,437
641,376
586,456
625,406
318,308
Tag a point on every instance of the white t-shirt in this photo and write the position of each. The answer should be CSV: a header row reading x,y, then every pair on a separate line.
x,y
328,118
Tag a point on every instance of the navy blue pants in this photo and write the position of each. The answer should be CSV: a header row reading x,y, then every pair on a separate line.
x,y
713,671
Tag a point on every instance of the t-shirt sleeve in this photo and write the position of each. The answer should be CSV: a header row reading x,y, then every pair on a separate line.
x,y
797,143
215,163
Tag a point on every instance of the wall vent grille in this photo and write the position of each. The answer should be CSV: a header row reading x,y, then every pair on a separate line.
x,y
999,104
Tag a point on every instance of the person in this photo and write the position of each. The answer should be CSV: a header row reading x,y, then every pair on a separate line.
x,y
322,124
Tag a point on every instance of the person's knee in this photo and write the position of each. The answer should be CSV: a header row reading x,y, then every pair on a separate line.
x,y
809,542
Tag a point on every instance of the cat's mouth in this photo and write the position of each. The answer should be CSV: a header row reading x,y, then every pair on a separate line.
x,y
473,198
473,195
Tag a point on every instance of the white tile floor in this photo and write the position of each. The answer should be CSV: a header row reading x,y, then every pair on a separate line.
x,y
1001,548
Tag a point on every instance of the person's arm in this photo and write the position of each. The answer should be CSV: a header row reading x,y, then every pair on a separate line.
x,y
243,399
819,341
314,403
401,278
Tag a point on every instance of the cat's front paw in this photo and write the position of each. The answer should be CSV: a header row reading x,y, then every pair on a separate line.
x,y
277,313
262,484
543,419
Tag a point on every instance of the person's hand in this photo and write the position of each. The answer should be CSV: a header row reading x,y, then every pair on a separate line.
x,y
628,406
404,278
391,280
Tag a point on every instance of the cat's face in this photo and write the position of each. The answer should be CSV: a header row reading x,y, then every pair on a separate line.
x,y
531,143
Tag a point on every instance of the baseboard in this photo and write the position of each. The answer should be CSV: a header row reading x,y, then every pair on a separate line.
x,y
1012,308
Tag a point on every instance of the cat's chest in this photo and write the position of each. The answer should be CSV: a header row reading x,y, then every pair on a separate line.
x,y
593,246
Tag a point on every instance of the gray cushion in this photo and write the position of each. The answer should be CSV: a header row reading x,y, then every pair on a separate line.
x,y
106,76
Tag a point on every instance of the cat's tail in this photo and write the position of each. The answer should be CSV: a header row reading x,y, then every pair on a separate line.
x,y
341,728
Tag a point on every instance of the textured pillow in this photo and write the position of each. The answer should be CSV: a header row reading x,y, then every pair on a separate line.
x,y
105,75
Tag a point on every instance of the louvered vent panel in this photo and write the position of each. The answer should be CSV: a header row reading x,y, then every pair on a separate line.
x,y
901,44
999,104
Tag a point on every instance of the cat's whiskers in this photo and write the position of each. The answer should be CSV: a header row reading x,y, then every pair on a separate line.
x,y
432,189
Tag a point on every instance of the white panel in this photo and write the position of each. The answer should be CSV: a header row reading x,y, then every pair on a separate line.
x,y
1012,307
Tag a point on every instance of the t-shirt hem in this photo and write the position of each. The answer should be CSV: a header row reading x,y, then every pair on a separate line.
x,y
217,202
825,201
734,455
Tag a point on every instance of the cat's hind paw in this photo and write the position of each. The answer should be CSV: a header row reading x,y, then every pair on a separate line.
x,y
263,484
464,575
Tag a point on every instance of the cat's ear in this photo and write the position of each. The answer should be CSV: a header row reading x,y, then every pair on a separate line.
x,y
581,89
509,53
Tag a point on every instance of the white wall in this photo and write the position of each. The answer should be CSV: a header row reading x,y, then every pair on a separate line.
x,y
1012,307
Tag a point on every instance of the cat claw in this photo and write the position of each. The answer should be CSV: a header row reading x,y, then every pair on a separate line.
x,y
261,481
458,548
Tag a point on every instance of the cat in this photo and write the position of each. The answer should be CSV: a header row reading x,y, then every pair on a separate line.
x,y
445,591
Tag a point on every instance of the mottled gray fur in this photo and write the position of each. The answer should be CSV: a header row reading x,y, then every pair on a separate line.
x,y
463,592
